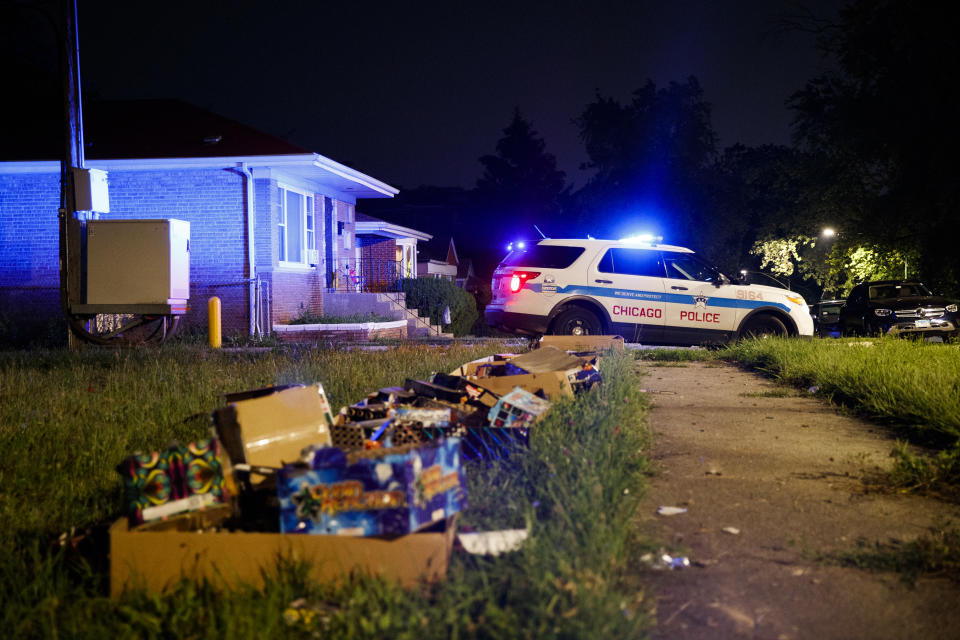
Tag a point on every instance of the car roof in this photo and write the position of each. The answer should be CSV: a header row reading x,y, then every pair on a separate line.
x,y
592,243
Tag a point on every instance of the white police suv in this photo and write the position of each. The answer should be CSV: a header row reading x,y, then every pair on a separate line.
x,y
645,291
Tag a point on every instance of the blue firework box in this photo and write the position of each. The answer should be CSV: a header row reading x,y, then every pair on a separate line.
x,y
378,492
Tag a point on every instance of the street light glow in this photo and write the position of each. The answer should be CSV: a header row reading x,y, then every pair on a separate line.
x,y
828,232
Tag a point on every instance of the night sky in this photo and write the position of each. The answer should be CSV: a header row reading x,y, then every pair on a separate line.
x,y
415,92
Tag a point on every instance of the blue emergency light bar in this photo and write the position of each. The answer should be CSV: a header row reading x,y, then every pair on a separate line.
x,y
647,238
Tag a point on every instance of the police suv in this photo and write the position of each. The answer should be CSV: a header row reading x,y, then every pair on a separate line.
x,y
645,291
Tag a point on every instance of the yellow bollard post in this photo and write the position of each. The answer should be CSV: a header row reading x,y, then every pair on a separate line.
x,y
213,322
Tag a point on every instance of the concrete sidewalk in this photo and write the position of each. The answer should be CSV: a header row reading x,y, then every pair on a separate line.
x,y
785,473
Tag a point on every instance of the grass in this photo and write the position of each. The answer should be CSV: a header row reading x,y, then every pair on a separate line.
x,y
770,393
675,355
66,419
936,553
355,318
911,386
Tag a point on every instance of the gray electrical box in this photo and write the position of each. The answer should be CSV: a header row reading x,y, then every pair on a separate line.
x,y
137,262
90,190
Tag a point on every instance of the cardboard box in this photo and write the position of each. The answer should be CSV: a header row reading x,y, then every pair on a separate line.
x,y
156,558
583,344
554,384
390,491
471,368
546,359
268,427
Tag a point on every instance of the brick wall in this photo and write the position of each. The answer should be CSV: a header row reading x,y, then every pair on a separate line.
x,y
377,248
29,240
212,200
295,292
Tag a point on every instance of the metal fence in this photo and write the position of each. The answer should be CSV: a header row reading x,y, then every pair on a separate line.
x,y
366,276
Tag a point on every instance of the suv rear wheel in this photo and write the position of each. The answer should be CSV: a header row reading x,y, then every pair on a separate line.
x,y
763,326
576,322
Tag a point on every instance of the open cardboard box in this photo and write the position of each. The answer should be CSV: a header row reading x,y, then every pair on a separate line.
x,y
155,557
268,427
583,344
553,384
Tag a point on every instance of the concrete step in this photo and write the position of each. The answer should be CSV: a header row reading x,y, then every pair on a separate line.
x,y
414,326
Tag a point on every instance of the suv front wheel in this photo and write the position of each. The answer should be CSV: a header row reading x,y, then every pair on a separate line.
x,y
763,326
576,322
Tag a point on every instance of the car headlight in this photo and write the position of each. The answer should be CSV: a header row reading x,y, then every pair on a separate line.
x,y
882,312
952,308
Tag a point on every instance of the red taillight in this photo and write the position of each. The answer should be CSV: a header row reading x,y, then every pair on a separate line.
x,y
517,278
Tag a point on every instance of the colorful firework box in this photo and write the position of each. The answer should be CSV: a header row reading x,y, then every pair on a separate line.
x,y
519,408
382,492
165,483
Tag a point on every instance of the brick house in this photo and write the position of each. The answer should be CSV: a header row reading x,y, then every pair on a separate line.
x,y
388,251
273,225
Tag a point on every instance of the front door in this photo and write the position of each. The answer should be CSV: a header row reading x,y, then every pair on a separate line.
x,y
629,283
700,306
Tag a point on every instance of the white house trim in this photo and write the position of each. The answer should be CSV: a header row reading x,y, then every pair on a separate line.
x,y
390,230
308,166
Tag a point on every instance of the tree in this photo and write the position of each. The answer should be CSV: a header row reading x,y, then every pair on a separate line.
x,y
521,185
885,123
652,158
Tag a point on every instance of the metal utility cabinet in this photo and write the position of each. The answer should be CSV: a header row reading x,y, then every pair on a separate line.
x,y
137,266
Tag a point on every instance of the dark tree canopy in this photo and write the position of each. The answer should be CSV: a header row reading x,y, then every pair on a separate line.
x,y
651,157
886,124
521,185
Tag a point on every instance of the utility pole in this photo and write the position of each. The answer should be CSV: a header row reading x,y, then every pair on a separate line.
x,y
71,226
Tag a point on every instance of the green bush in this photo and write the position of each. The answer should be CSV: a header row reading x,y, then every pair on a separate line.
x,y
432,295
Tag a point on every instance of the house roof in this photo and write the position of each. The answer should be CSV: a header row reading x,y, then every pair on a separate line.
x,y
374,226
173,129
138,134
438,249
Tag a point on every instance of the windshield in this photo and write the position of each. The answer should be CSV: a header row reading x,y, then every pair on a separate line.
x,y
882,291
686,266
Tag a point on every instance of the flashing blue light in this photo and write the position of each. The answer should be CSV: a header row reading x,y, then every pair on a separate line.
x,y
521,245
510,247
647,238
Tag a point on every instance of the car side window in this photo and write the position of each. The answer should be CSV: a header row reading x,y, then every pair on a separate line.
x,y
689,267
633,262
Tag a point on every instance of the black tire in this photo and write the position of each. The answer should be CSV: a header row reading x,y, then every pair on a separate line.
x,y
763,327
576,322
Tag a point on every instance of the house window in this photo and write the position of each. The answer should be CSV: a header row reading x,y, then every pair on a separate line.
x,y
296,226
311,221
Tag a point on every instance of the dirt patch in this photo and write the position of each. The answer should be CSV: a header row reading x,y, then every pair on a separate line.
x,y
785,473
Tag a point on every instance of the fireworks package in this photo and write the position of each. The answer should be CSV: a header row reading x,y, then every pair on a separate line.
x,y
166,483
380,492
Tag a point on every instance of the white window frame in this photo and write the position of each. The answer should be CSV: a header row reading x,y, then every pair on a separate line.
x,y
308,233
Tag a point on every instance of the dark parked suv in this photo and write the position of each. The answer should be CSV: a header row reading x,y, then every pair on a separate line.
x,y
826,318
898,307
